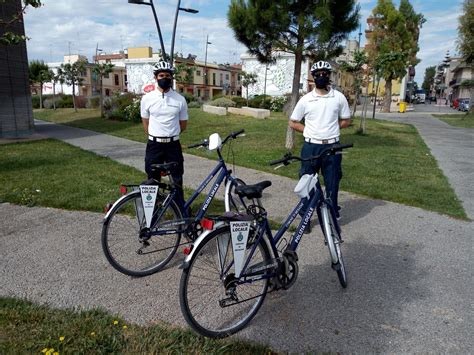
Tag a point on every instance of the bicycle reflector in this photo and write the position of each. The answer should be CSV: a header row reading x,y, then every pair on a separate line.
x,y
207,224
123,189
187,250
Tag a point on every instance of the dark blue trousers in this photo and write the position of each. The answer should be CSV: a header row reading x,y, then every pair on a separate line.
x,y
159,153
329,166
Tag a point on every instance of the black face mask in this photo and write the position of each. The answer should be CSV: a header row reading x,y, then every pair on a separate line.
x,y
321,82
165,83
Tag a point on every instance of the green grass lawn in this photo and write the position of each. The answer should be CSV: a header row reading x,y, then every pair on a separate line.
x,y
464,120
26,328
390,162
51,173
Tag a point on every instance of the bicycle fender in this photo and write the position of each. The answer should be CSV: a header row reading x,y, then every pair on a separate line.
x,y
116,203
198,241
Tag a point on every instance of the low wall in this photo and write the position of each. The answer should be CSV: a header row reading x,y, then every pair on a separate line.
x,y
215,110
250,111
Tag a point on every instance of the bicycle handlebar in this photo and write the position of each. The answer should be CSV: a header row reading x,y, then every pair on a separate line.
x,y
205,142
328,151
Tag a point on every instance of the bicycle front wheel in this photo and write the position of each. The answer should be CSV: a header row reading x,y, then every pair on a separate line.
x,y
214,302
125,245
333,240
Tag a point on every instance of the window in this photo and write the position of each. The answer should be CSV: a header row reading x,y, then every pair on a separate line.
x,y
198,73
116,79
199,93
125,79
221,78
106,76
227,77
107,92
214,79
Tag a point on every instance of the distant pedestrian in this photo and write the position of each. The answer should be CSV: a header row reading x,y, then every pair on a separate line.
x,y
324,111
164,115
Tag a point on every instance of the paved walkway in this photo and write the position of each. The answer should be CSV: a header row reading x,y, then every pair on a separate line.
x,y
410,270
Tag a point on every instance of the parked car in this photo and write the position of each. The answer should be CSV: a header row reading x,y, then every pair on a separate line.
x,y
464,105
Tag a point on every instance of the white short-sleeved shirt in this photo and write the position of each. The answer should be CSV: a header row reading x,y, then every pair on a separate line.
x,y
321,114
164,113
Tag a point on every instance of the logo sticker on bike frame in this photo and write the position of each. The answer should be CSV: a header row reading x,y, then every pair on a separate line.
x,y
148,200
240,233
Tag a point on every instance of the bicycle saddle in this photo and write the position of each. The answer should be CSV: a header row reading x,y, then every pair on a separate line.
x,y
252,191
164,169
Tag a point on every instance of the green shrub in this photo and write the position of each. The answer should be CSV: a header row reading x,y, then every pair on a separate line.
x,y
261,101
189,97
132,111
65,102
35,101
115,107
277,103
222,102
194,104
93,102
239,101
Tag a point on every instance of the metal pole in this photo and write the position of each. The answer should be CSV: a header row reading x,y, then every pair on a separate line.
x,y
265,83
163,53
205,68
174,31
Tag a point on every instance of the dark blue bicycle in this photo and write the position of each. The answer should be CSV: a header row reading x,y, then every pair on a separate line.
x,y
231,267
142,230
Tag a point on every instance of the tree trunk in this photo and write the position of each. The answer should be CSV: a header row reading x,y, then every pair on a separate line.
x,y
54,95
101,98
247,88
41,94
295,93
74,96
387,101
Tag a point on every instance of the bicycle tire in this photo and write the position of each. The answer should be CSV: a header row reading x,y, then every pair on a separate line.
x,y
233,202
333,240
121,243
202,287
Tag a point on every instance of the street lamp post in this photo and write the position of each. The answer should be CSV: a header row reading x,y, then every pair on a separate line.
x,y
265,82
205,67
141,2
192,11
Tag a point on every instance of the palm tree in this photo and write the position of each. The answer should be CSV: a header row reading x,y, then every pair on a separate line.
x,y
37,72
73,76
247,80
101,70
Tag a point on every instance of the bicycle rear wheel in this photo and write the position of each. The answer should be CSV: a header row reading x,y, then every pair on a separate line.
x,y
333,240
214,302
128,251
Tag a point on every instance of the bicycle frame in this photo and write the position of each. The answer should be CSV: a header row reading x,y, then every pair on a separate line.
x,y
222,173
315,203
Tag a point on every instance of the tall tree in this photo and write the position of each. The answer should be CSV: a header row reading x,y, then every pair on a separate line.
x,y
72,74
466,42
102,70
429,79
394,42
309,29
8,35
247,80
38,74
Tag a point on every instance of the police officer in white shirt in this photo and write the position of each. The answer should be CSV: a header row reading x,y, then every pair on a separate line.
x,y
164,115
324,111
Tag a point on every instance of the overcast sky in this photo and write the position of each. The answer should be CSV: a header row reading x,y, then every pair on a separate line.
x,y
61,26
